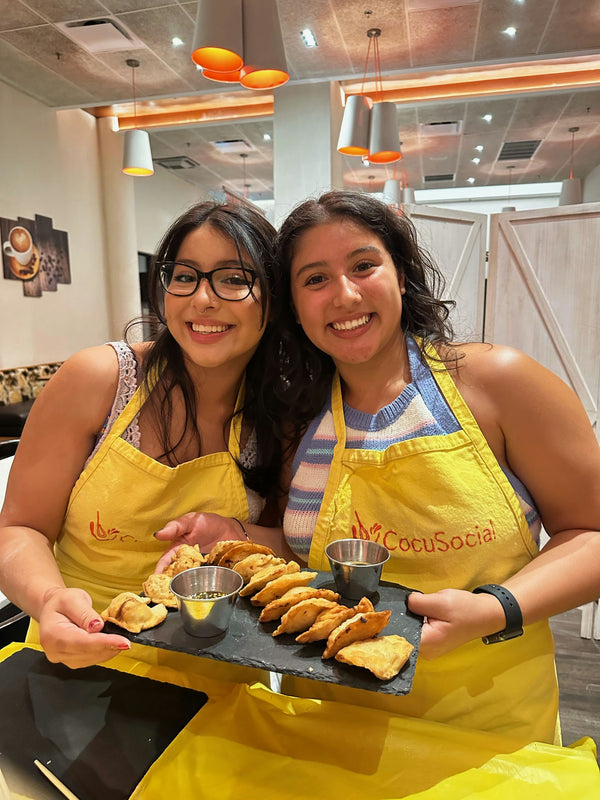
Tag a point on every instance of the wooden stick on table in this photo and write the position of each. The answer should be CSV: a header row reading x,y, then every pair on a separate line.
x,y
54,780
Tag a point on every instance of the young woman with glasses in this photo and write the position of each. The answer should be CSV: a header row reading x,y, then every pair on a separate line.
x,y
127,437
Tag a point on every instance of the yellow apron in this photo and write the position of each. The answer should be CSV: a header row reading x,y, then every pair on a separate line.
x,y
106,545
446,512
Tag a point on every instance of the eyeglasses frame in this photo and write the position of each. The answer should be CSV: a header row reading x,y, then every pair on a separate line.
x,y
161,267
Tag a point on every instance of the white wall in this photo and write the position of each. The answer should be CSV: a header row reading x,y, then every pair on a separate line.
x,y
159,200
49,166
591,186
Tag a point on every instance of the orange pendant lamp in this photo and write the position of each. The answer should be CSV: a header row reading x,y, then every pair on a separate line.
x,y
240,41
370,129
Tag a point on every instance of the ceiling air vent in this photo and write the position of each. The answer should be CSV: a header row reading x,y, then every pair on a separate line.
x,y
176,162
101,35
440,128
436,178
233,146
512,151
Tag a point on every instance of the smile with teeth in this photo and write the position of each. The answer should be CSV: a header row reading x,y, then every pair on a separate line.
x,y
197,328
351,324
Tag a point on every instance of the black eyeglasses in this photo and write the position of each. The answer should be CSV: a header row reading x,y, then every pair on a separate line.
x,y
228,283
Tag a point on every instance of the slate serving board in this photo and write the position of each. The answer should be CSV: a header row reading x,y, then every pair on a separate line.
x,y
250,643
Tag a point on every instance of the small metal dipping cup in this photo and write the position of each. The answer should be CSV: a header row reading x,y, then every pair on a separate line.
x,y
208,616
356,565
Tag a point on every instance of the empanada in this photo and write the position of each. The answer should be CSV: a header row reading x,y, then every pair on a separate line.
x,y
384,656
302,615
219,549
278,587
239,551
268,573
252,564
277,608
157,588
185,557
132,612
359,627
328,620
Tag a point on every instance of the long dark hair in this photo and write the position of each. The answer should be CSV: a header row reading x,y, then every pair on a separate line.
x,y
253,236
307,371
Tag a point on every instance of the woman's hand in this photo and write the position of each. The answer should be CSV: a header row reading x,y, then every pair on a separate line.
x,y
455,617
203,529
70,631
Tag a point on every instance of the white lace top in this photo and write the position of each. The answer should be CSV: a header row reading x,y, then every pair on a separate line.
x,y
128,383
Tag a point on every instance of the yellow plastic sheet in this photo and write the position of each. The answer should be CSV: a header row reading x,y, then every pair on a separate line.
x,y
253,743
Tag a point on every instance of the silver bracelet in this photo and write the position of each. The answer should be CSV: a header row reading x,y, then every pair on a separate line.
x,y
241,524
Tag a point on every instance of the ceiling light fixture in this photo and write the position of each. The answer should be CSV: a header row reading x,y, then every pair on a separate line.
x,y
475,160
370,128
487,117
570,193
479,148
510,31
470,180
137,156
509,207
240,41
308,38
176,41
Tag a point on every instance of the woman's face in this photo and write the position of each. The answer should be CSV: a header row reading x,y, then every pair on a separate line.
x,y
346,292
212,332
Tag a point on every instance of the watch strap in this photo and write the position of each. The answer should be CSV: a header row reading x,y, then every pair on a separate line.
x,y
512,612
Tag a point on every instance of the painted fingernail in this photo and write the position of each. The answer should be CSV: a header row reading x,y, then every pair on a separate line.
x,y
95,625
123,646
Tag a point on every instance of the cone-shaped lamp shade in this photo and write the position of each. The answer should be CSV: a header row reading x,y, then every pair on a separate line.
x,y
137,157
222,77
391,192
384,143
264,57
354,131
570,193
218,43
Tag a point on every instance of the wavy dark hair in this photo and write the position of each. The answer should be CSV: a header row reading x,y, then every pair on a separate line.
x,y
307,371
254,237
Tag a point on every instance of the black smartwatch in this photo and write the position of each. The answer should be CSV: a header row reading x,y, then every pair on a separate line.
x,y
512,612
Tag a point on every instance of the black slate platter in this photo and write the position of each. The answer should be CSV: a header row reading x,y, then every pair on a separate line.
x,y
250,643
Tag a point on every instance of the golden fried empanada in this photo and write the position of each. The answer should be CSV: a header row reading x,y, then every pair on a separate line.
x,y
384,656
219,549
249,566
302,615
357,628
279,586
157,588
268,573
328,620
237,552
132,612
185,557
277,608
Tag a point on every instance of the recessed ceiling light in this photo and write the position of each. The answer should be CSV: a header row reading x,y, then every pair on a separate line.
x,y
266,137
487,117
470,180
308,37
510,31
176,41
475,160
479,148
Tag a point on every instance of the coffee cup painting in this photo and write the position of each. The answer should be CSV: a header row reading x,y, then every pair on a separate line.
x,y
34,253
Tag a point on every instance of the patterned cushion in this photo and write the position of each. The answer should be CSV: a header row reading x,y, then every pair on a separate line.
x,y
20,384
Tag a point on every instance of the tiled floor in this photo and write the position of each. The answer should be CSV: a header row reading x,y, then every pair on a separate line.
x,y
578,667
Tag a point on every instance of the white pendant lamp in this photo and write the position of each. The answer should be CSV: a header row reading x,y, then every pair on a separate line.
x,y
408,195
383,143
218,39
570,193
354,131
137,156
392,192
264,56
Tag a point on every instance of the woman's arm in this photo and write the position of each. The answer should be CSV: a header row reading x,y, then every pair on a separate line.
x,y
538,428
58,437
